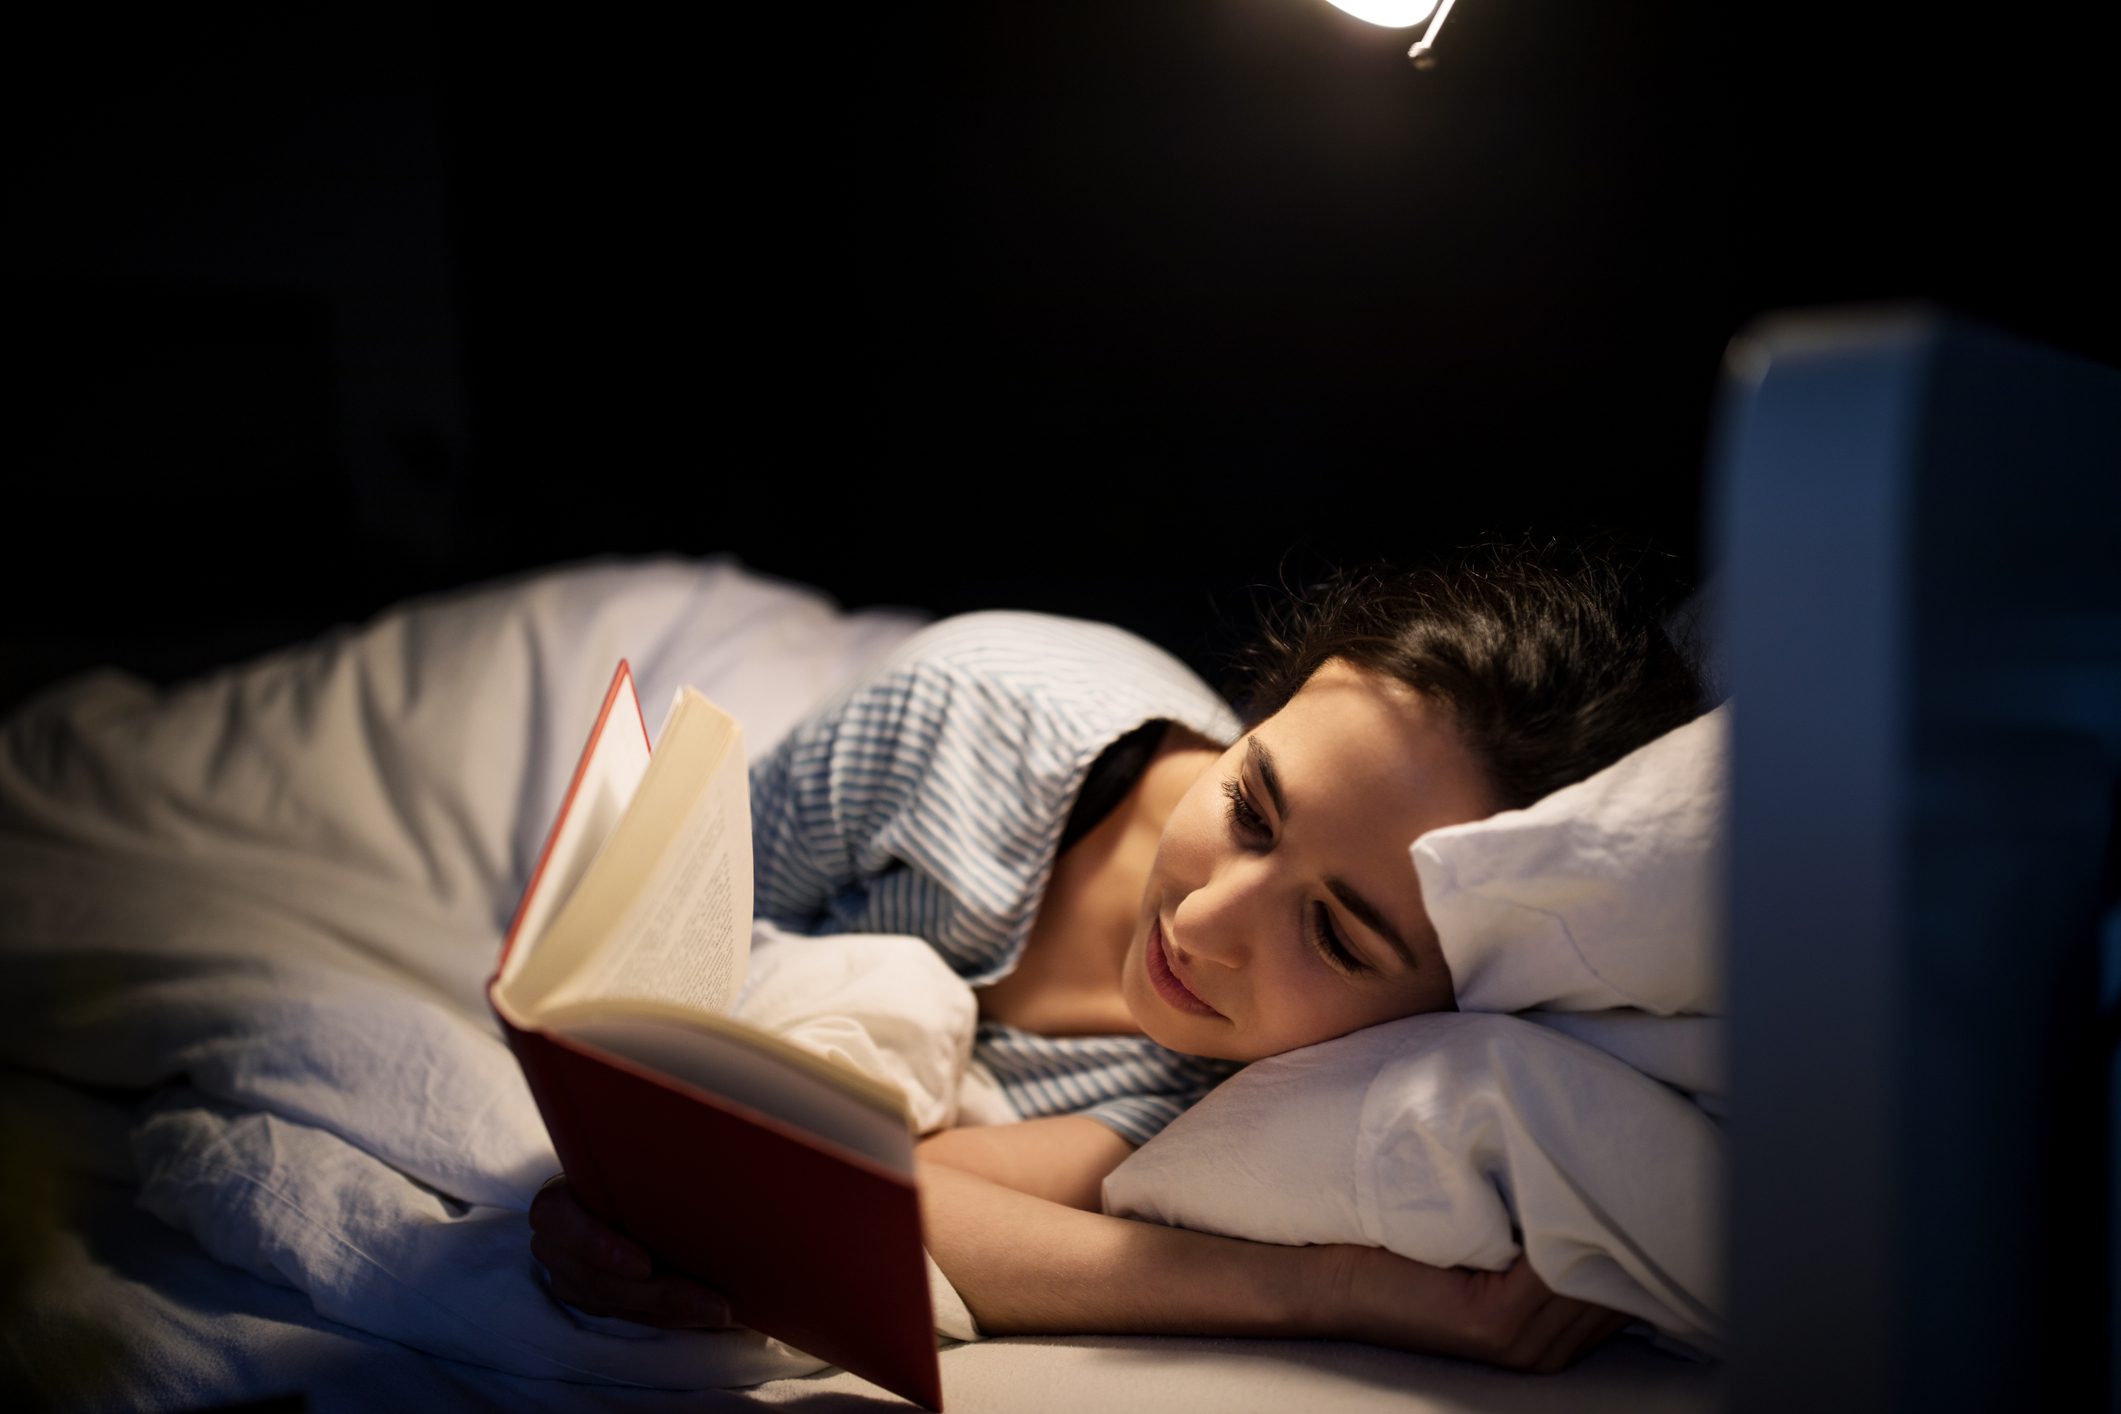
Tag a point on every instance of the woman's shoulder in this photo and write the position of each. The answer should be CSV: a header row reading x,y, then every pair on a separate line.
x,y
1027,629
1053,650
1072,684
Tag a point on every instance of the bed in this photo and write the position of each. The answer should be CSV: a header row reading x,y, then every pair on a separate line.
x,y
263,1148
264,1142
313,854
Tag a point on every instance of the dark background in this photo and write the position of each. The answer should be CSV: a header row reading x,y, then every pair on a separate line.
x,y
1119,308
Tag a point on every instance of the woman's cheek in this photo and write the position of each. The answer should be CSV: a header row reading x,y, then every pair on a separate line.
x,y
1287,1007
1325,1008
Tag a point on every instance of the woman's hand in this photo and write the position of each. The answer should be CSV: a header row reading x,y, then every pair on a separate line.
x,y
602,1272
1509,1318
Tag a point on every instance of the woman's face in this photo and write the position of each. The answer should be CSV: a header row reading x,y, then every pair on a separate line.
x,y
1282,908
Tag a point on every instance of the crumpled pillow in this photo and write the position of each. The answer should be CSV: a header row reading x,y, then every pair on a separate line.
x,y
1459,1139
1607,893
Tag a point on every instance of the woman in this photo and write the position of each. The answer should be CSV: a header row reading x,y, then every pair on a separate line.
x,y
1146,893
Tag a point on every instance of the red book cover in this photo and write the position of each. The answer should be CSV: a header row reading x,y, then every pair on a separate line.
x,y
813,1243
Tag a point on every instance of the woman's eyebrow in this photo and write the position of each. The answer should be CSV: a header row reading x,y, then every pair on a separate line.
x,y
1263,762
1369,914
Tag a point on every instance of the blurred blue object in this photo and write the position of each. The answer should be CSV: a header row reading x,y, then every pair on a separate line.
x,y
1919,526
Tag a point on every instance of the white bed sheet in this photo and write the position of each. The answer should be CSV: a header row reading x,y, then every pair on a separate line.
x,y
351,821
130,1314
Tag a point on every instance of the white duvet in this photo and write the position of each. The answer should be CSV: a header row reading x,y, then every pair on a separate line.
x,y
271,897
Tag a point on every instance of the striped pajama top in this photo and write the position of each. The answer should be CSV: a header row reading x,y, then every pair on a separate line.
x,y
929,798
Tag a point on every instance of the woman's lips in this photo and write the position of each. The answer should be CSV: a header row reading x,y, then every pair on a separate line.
x,y
1165,980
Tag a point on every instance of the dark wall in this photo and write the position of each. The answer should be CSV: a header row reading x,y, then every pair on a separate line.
x,y
1110,308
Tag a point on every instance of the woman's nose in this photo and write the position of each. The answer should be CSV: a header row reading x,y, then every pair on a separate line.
x,y
1219,921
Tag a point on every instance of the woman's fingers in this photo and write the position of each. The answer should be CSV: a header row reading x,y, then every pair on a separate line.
x,y
1543,1330
1504,1309
660,1299
1510,1318
1528,1327
600,1271
1590,1327
560,1225
671,1302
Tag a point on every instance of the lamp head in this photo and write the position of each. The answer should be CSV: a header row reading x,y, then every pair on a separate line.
x,y
1392,14
1404,14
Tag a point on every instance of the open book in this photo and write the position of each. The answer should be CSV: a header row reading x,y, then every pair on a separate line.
x,y
782,1179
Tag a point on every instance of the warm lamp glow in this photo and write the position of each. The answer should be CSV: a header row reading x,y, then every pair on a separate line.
x,y
1392,14
1404,14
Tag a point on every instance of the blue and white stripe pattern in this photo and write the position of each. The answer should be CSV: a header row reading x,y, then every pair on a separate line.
x,y
928,799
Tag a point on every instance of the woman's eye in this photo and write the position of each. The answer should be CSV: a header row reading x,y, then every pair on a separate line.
x,y
1327,940
1247,820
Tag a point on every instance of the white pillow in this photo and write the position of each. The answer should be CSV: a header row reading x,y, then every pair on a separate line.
x,y
1685,1052
1455,1139
1607,893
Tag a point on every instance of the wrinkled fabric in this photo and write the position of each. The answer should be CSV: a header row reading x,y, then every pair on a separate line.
x,y
1605,894
271,897
1460,1139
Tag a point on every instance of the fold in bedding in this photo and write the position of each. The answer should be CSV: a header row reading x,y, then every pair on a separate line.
x,y
270,898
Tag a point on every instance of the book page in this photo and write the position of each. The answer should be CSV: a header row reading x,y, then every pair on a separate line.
x,y
686,938
664,912
759,1071
610,771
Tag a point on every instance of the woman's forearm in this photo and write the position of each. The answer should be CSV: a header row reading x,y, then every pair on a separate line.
x,y
1061,1158
1025,1266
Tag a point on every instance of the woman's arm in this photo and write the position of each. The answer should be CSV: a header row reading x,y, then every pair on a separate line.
x,y
1011,1218
1025,1266
1062,1158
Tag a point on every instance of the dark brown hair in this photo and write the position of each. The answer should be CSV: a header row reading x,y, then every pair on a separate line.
x,y
1551,666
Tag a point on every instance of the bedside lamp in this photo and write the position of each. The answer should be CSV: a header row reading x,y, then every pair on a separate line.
x,y
1403,14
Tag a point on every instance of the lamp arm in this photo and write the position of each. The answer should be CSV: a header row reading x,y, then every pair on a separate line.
x,y
1420,52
